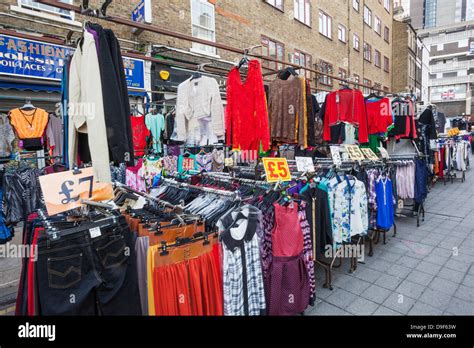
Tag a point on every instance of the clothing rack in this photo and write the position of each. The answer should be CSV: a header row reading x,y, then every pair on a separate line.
x,y
146,196
200,188
166,32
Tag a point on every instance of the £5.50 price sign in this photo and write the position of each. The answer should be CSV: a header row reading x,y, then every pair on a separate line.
x,y
276,169
64,191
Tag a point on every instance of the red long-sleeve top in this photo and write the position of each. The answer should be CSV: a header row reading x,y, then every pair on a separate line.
x,y
379,115
246,111
346,105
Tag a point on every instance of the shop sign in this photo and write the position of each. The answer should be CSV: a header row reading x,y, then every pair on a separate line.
x,y
64,191
276,169
142,13
33,59
134,72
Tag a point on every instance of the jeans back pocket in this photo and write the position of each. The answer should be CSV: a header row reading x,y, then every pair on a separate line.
x,y
64,272
114,253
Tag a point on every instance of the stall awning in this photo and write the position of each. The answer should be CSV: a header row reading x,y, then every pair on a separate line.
x,y
137,93
29,87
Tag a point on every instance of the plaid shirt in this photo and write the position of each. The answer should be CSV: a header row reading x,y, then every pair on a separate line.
x,y
243,296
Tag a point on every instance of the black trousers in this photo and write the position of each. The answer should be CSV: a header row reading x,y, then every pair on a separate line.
x,y
92,272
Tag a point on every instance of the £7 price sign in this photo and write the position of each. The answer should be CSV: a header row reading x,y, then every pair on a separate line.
x,y
276,169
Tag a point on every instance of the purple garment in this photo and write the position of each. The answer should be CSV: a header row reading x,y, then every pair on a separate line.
x,y
288,289
96,38
295,189
173,150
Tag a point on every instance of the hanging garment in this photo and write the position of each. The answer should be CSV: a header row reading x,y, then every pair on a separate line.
x,y
29,124
7,137
287,110
204,162
156,125
140,133
187,162
346,105
247,123
350,210
115,101
421,181
170,164
428,119
218,160
55,135
379,115
385,203
406,181
135,176
242,269
85,88
288,276
5,232
199,112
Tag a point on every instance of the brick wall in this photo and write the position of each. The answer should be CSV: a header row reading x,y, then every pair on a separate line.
x,y
242,23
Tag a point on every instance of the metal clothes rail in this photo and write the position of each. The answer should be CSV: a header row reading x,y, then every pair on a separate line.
x,y
158,30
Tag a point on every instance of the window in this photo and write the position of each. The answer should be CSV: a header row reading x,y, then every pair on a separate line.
x,y
275,50
31,4
386,5
343,75
356,42
325,24
367,52
304,59
356,5
378,25
303,11
386,64
203,24
325,68
367,90
367,16
341,33
276,3
377,59
386,34
357,81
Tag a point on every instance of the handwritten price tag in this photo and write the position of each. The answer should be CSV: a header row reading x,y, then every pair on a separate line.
x,y
354,153
304,164
276,169
369,154
64,191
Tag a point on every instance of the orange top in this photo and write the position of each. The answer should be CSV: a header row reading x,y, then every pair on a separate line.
x,y
29,123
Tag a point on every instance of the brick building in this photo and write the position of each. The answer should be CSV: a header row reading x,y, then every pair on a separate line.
x,y
345,38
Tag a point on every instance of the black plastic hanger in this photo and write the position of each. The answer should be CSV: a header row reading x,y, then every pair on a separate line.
x,y
286,73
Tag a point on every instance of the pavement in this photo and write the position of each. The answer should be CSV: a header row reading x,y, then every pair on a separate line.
x,y
426,270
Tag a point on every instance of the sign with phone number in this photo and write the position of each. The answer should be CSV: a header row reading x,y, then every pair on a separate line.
x,y
276,169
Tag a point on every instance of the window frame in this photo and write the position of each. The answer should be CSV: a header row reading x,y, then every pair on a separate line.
x,y
379,55
328,69
308,74
369,49
40,9
376,18
356,81
344,31
386,3
354,35
342,74
321,14
358,5
386,64
386,34
367,90
195,46
305,14
369,13
282,9
266,63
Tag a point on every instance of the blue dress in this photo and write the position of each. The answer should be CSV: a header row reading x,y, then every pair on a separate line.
x,y
384,199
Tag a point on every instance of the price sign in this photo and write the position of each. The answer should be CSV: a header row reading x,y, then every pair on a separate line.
x,y
64,191
354,153
383,152
336,156
369,154
276,169
229,162
305,164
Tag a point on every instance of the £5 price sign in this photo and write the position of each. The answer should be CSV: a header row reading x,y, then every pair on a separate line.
x,y
276,169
